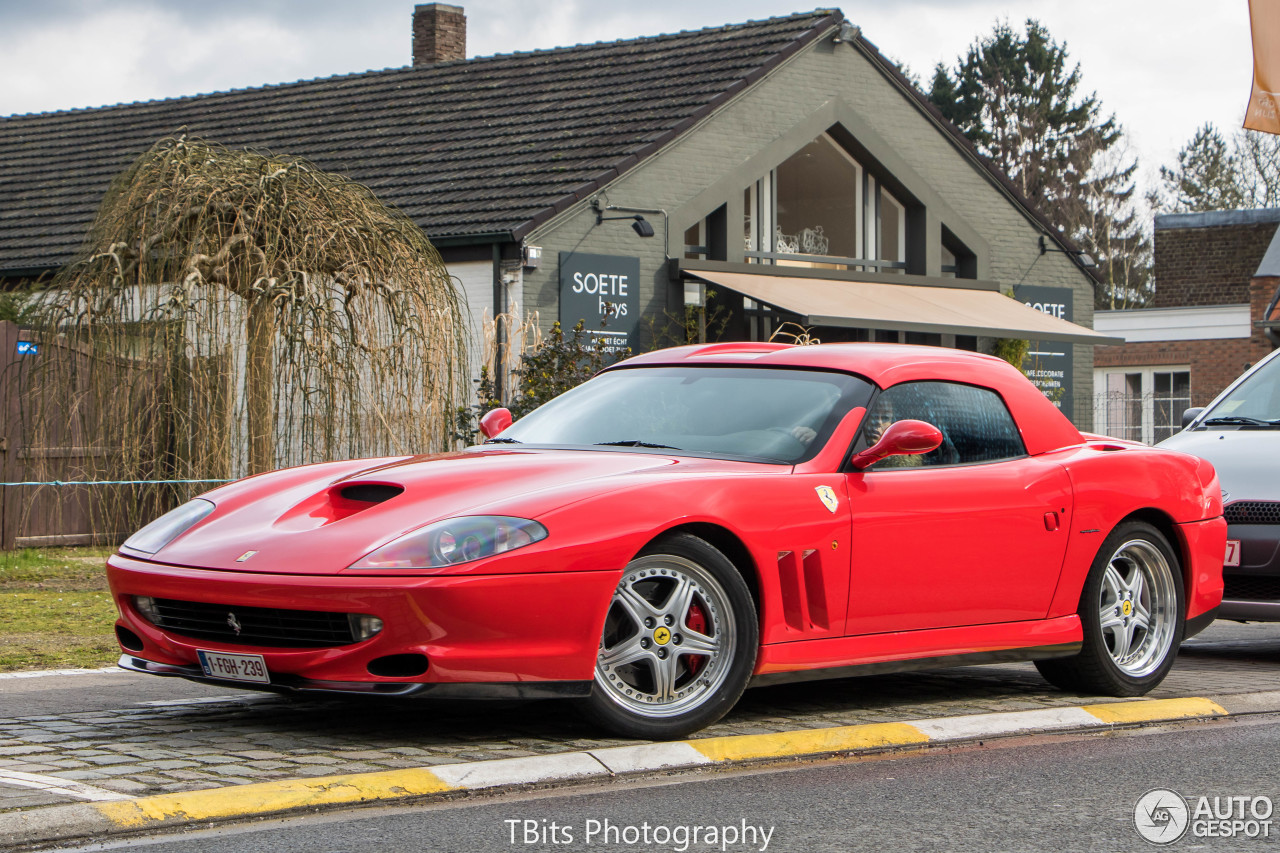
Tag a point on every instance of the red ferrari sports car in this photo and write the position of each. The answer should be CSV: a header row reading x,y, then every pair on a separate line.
x,y
689,523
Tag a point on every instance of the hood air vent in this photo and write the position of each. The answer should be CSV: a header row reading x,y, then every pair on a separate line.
x,y
370,493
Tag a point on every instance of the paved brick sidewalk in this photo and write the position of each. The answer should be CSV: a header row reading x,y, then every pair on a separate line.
x,y
146,750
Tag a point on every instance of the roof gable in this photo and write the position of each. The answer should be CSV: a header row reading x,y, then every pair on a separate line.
x,y
479,147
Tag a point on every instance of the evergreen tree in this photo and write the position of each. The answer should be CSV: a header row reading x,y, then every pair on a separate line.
x,y
1214,173
1015,96
1207,176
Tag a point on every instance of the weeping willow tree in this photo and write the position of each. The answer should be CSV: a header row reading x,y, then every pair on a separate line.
x,y
233,313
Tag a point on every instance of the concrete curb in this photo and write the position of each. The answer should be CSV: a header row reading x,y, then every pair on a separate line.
x,y
102,819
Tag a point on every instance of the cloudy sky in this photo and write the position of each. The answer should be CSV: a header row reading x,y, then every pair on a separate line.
x,y
1163,67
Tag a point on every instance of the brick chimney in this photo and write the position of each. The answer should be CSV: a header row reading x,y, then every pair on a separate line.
x,y
439,33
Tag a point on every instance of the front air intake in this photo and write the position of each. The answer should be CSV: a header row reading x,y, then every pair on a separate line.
x,y
253,626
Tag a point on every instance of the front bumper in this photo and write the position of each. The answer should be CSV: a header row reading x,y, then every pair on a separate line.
x,y
438,690
1204,542
475,630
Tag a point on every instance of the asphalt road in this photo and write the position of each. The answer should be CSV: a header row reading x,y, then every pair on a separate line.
x,y
1050,794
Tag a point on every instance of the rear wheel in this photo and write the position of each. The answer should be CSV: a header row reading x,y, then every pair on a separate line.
x,y
679,642
1132,613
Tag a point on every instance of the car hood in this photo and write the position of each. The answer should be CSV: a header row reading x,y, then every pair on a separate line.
x,y
1246,459
303,520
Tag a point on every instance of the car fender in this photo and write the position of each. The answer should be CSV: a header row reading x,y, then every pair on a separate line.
x,y
1114,481
793,527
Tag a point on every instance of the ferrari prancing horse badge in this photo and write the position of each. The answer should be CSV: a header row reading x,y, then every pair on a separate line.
x,y
828,496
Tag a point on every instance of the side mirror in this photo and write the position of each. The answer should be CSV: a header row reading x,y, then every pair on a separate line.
x,y
902,437
495,421
1190,415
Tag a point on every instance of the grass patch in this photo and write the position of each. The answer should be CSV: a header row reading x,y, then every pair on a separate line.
x,y
56,609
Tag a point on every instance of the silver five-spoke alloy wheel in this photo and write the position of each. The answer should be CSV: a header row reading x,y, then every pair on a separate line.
x,y
669,638
1131,616
1136,610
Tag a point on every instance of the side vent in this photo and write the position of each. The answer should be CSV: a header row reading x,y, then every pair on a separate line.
x,y
804,595
819,617
792,590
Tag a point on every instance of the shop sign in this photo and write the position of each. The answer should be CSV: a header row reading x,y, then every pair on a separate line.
x,y
1049,363
604,292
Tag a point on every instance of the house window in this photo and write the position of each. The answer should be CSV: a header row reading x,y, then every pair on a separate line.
x,y
1141,403
821,208
695,241
957,260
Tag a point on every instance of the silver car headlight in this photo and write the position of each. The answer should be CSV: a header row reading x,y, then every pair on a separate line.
x,y
168,527
453,542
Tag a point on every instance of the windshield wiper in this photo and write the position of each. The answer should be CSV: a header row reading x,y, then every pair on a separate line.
x,y
1239,420
634,442
503,441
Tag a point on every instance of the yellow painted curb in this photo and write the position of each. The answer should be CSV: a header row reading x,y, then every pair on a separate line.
x,y
1155,709
739,747
268,797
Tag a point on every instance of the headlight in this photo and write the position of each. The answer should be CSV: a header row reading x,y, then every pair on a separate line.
x,y
453,542
168,527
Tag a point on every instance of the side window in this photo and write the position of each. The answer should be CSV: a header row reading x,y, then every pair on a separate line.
x,y
975,424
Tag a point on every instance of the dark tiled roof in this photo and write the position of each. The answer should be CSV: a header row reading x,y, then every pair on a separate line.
x,y
467,148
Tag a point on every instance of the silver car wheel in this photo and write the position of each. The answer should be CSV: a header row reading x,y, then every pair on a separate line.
x,y
669,638
1138,608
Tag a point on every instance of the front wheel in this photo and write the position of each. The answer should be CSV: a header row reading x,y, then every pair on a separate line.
x,y
679,642
1132,612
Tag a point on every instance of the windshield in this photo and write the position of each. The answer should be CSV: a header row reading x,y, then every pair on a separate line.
x,y
762,414
1254,402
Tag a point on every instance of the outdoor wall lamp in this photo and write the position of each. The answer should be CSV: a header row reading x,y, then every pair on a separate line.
x,y
639,223
1086,260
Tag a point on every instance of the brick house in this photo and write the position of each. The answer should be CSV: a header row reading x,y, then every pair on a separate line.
x,y
1216,277
784,165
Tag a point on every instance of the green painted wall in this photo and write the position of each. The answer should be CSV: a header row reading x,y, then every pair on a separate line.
x,y
714,161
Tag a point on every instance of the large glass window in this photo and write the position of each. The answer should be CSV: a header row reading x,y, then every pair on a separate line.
x,y
818,192
821,208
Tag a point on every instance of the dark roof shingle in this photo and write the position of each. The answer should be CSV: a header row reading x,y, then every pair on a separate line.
x,y
466,148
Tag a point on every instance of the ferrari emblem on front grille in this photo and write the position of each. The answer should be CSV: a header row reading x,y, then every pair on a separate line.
x,y
246,555
828,497
234,623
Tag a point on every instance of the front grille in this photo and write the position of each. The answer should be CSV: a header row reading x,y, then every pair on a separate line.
x,y
1251,588
1253,512
259,626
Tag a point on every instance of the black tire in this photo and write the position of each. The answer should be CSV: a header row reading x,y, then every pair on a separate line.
x,y
1133,613
679,597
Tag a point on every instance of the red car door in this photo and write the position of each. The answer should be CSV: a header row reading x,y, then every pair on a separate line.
x,y
970,534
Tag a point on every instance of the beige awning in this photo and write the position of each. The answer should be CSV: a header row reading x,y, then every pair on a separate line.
x,y
906,307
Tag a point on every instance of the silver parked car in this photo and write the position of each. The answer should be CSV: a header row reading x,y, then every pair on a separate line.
x,y
1239,432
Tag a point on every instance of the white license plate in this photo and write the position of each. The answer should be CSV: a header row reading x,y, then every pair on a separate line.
x,y
234,667
1232,557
